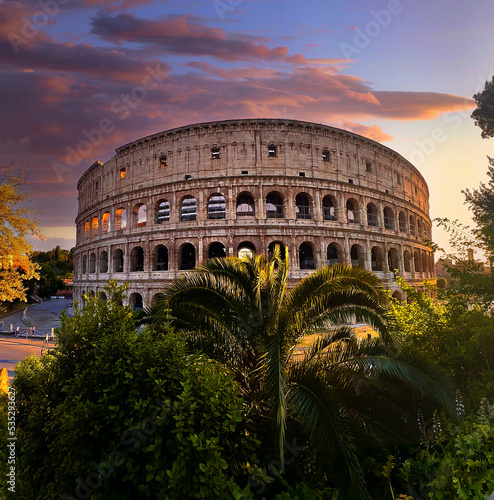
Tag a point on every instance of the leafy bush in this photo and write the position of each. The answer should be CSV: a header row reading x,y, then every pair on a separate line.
x,y
117,414
460,465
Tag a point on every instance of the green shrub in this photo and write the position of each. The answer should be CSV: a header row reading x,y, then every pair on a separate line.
x,y
117,414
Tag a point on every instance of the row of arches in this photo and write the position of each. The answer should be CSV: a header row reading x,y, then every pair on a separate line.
x,y
275,207
373,257
137,302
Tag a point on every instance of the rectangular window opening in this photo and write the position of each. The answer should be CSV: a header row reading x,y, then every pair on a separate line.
x,y
122,173
301,174
215,153
326,157
245,172
350,181
368,166
272,151
163,161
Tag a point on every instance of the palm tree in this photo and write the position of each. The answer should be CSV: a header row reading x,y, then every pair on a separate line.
x,y
240,312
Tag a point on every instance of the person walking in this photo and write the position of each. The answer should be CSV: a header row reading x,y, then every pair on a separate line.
x,y
33,330
17,331
46,339
42,351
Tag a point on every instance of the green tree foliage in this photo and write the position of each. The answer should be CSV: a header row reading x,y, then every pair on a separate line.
x,y
62,261
458,465
481,203
15,224
118,414
458,337
338,395
483,115
469,281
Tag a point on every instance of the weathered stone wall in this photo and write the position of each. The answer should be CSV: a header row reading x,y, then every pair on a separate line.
x,y
379,216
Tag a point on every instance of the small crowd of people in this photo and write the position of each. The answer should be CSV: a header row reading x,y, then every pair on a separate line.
x,y
29,332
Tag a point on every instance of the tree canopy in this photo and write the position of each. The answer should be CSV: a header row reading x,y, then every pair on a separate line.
x,y
481,203
15,223
483,115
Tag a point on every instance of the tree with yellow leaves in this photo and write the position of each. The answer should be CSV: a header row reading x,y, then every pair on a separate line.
x,y
15,223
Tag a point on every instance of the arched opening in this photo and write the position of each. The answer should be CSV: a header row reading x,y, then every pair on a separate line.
x,y
274,206
272,246
333,254
86,229
302,207
188,209
217,207
431,264
416,262
216,250
402,222
246,249
376,259
103,262
397,295
120,219
328,208
157,297
102,296
424,263
188,257
356,256
372,216
393,260
137,259
136,302
352,211
139,215
106,222
306,256
389,218
118,261
94,226
92,263
245,206
162,211
84,264
407,261
412,226
420,228
160,258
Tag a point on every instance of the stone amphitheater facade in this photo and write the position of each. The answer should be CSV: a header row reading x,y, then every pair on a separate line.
x,y
170,200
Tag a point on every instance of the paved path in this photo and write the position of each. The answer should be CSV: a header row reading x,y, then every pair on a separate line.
x,y
13,350
43,317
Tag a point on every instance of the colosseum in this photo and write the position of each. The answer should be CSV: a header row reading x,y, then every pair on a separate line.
x,y
165,202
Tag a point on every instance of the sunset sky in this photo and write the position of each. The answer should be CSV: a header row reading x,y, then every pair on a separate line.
x,y
399,72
